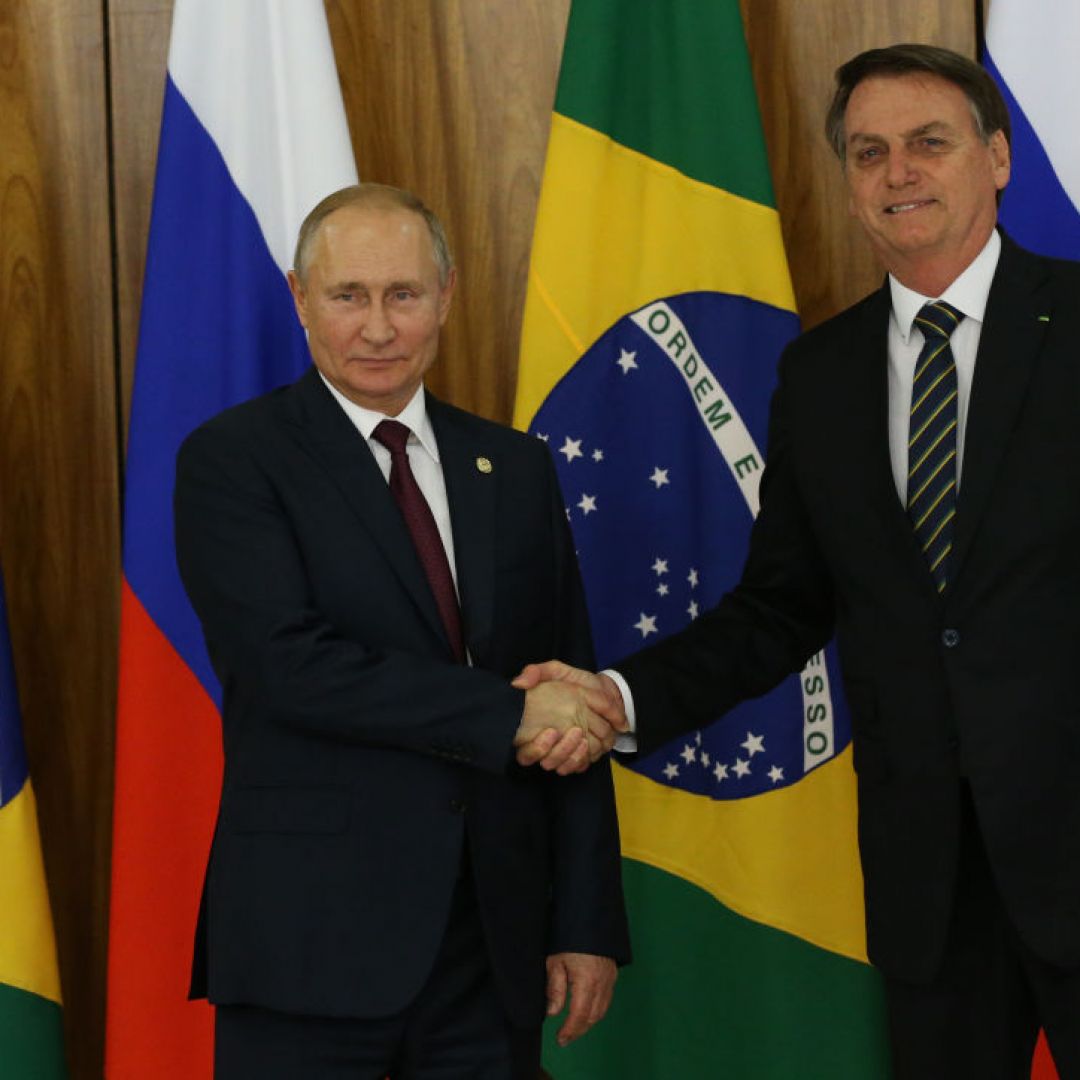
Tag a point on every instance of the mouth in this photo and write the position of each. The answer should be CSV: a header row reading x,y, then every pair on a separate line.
x,y
908,207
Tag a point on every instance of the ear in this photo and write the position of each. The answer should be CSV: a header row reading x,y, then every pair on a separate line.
x,y
446,294
1000,158
299,297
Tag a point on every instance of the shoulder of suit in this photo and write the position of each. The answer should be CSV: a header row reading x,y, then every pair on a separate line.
x,y
498,436
246,418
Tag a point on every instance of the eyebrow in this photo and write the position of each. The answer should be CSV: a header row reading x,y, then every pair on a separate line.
x,y
929,128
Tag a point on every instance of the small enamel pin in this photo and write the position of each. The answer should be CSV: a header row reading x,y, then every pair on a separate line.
x,y
484,465
1043,318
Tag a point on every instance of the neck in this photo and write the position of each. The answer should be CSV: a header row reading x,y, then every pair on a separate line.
x,y
932,274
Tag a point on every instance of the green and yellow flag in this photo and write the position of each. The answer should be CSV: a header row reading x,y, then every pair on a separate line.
x,y
31,1035
659,301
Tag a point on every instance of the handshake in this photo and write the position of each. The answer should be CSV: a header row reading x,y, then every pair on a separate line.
x,y
571,717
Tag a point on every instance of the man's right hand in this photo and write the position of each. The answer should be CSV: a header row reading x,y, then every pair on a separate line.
x,y
568,748
561,727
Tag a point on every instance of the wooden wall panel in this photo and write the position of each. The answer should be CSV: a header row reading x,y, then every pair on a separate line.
x,y
59,513
138,45
452,98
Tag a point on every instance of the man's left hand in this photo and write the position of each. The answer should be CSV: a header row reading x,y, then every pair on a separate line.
x,y
590,981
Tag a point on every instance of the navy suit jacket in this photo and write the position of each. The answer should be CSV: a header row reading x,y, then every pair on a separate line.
x,y
358,756
978,683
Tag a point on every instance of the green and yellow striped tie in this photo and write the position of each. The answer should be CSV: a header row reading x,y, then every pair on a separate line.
x,y
931,488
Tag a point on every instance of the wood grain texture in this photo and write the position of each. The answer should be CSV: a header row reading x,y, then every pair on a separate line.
x,y
59,513
452,99
138,45
794,56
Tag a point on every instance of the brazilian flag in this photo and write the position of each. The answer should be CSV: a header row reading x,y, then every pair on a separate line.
x,y
658,303
31,1035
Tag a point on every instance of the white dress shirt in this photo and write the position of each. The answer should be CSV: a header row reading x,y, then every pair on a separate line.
x,y
968,294
423,453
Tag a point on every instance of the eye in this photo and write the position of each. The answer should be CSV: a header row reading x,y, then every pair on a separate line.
x,y
346,297
868,153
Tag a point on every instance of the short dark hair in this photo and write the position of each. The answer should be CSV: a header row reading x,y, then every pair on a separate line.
x,y
987,105
377,196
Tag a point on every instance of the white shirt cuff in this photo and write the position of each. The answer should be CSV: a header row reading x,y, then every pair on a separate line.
x,y
625,743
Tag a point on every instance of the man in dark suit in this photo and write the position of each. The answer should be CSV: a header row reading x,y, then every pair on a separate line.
x,y
387,887
922,501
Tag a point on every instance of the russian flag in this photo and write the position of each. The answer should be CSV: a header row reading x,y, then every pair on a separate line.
x,y
1031,53
1031,50
253,134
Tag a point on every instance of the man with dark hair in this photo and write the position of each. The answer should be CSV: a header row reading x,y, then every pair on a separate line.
x,y
389,892
921,502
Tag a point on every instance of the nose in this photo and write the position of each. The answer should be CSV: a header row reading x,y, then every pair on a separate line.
x,y
377,328
901,168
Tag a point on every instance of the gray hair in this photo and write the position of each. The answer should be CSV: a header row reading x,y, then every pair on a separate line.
x,y
987,105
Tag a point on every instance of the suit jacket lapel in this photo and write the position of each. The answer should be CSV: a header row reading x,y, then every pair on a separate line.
x,y
471,492
333,440
1008,346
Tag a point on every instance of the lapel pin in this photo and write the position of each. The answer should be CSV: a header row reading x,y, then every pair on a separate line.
x,y
1043,318
484,465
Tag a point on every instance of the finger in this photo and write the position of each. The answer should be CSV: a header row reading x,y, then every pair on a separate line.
x,y
531,752
563,750
528,677
577,1019
556,986
579,761
598,727
601,1001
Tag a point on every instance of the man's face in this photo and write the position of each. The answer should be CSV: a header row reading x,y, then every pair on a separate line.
x,y
920,179
372,304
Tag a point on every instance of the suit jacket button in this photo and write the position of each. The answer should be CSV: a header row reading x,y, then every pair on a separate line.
x,y
457,806
950,638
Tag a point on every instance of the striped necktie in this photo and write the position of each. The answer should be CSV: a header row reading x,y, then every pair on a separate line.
x,y
931,482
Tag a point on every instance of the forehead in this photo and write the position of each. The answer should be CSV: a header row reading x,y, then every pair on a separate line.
x,y
373,237
896,104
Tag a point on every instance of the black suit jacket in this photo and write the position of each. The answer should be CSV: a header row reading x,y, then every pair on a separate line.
x,y
978,683
358,755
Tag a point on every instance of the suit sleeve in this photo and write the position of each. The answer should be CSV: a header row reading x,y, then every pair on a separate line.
x,y
280,661
588,913
776,618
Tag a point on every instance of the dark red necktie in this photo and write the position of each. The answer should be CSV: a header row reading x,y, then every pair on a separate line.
x,y
425,533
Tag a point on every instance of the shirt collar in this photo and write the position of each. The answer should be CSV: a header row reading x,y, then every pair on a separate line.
x,y
968,293
414,416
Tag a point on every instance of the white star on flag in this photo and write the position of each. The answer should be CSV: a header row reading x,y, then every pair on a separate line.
x,y
753,744
720,772
598,455
688,754
776,774
705,759
659,477
692,610
660,566
542,437
692,578
671,770
587,504
571,448
662,589
742,768
626,361
646,624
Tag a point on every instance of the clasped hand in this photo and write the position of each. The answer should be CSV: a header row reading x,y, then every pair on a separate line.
x,y
571,717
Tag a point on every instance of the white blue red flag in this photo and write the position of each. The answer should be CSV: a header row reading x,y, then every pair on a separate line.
x,y
253,134
1031,50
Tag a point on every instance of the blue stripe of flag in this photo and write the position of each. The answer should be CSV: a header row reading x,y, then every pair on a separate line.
x,y
217,328
1036,211
13,769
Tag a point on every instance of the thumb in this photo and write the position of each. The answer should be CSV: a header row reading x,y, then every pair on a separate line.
x,y
531,675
